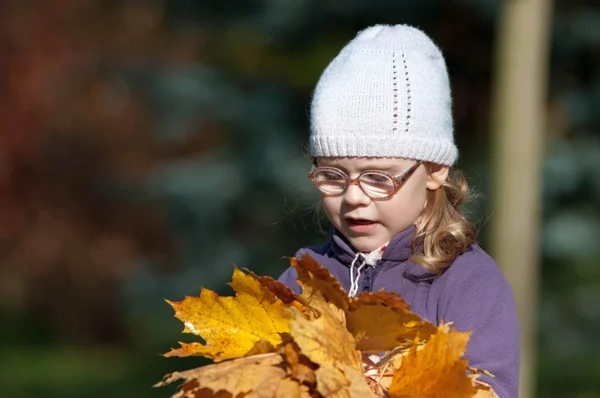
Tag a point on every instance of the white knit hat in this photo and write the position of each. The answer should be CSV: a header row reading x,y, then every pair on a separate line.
x,y
386,94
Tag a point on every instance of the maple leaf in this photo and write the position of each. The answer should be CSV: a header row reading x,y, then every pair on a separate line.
x,y
300,367
313,277
238,377
280,388
326,341
278,289
380,321
317,344
232,326
436,370
383,321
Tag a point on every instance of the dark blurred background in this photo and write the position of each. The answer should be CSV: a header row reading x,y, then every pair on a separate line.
x,y
147,146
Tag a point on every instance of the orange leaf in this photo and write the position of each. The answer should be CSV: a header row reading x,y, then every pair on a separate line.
x,y
383,321
435,371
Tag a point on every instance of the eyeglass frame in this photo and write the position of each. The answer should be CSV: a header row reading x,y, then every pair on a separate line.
x,y
397,181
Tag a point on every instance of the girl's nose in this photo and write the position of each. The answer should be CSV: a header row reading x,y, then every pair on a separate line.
x,y
355,196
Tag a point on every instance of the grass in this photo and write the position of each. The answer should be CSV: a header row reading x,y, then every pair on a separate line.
x,y
69,372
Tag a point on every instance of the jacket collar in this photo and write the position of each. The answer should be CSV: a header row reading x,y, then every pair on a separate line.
x,y
398,249
397,252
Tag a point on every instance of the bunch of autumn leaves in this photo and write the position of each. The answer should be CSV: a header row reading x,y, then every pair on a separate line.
x,y
268,342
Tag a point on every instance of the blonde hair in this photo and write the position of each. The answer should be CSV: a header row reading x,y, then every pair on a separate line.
x,y
443,231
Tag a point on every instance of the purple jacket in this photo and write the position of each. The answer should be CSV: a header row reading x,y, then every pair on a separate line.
x,y
472,293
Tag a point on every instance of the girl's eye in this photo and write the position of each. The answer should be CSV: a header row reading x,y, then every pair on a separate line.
x,y
325,175
373,177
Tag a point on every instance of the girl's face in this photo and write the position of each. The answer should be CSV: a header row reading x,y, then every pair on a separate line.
x,y
368,223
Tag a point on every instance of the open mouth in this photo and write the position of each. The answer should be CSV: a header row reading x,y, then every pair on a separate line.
x,y
361,224
359,221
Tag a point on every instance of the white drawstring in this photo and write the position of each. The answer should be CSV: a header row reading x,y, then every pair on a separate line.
x,y
354,287
352,275
369,259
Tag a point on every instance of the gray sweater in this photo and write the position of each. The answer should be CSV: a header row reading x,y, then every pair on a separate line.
x,y
472,293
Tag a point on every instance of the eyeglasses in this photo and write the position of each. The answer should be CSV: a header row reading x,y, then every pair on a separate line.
x,y
376,184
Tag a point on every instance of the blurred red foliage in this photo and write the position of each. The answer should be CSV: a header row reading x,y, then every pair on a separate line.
x,y
68,130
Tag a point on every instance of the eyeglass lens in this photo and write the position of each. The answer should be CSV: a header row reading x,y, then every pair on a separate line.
x,y
373,184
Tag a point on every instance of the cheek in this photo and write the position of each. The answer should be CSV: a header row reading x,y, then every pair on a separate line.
x,y
331,205
416,190
407,205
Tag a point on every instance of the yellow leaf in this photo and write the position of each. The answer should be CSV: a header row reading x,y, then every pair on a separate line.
x,y
232,327
324,339
435,371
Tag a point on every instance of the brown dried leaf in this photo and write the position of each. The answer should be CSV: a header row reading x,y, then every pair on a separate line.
x,y
300,367
208,393
238,376
313,276
280,388
331,382
279,290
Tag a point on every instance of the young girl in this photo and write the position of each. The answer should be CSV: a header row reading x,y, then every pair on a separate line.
x,y
382,144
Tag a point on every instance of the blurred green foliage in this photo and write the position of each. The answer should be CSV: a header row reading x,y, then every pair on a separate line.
x,y
149,145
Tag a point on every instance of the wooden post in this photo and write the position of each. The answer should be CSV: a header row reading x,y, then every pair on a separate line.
x,y
521,71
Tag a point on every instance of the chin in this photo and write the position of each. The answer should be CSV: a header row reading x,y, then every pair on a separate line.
x,y
364,245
